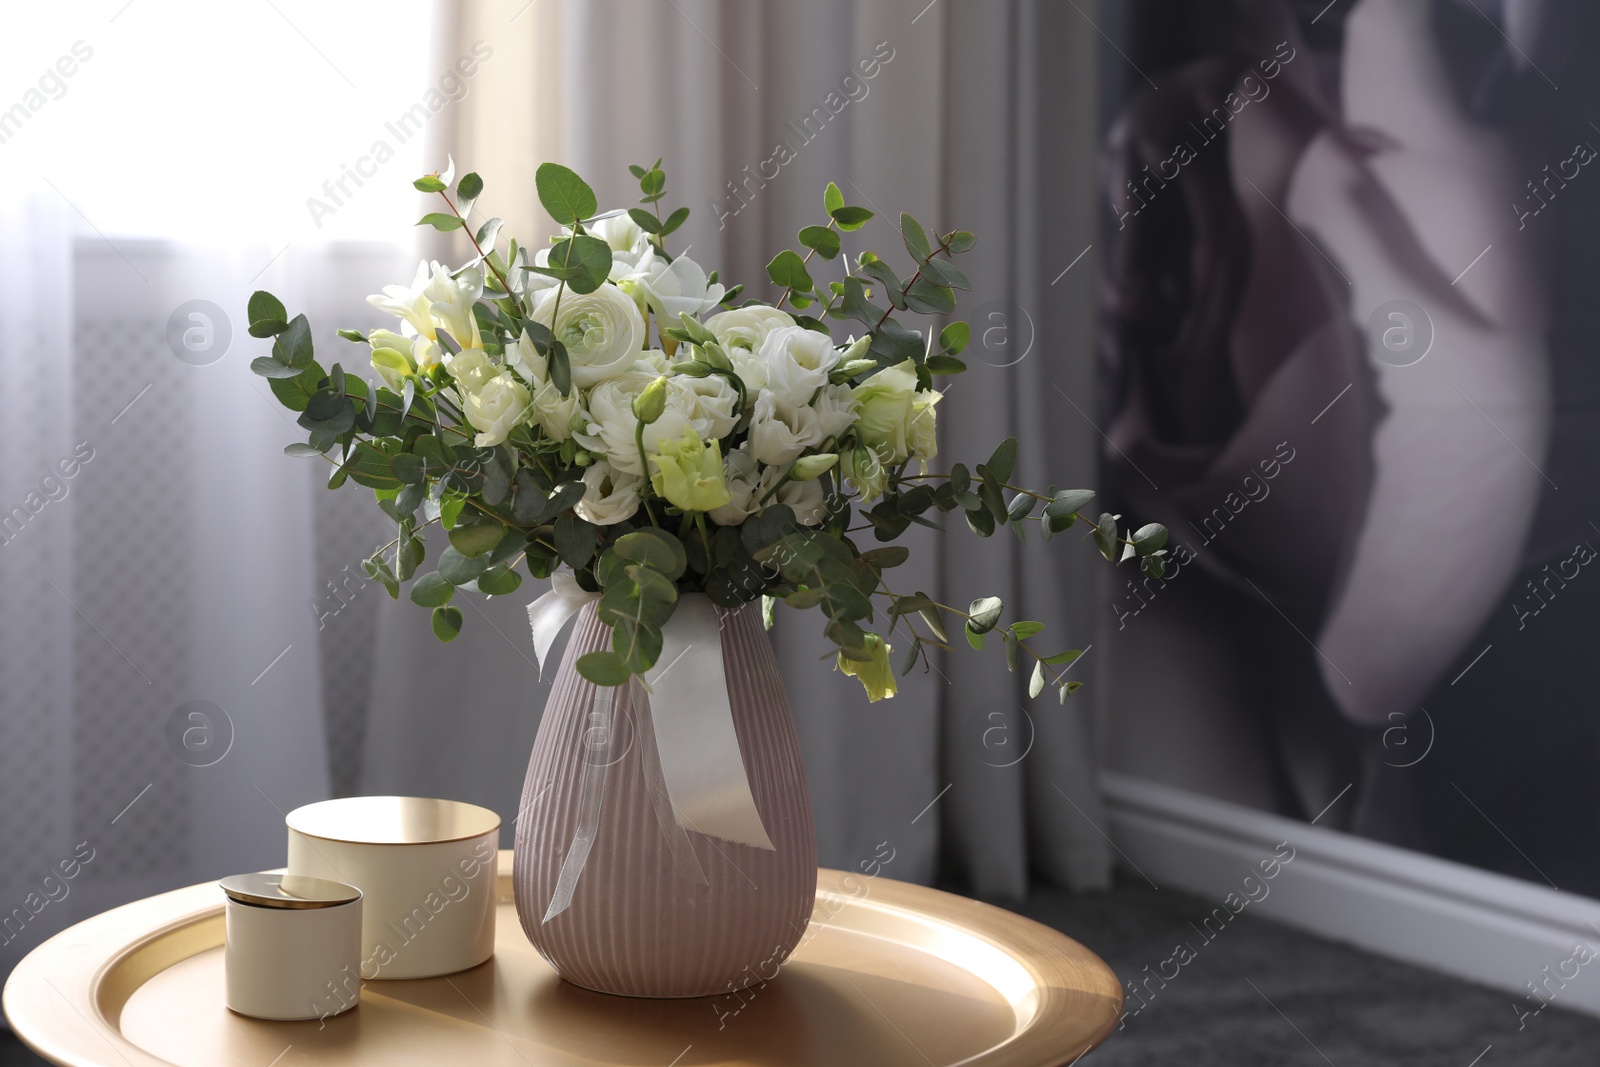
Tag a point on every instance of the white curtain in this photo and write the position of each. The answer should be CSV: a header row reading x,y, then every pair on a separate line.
x,y
977,116
165,639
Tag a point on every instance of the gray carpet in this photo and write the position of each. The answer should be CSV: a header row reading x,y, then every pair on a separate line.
x,y
1314,1003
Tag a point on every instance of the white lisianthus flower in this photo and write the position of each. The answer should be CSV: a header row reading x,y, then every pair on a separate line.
x,y
707,407
863,469
711,403
780,431
751,369
559,415
836,411
895,419
742,474
805,499
798,361
749,482
435,300
746,327
609,496
496,408
670,288
602,331
471,369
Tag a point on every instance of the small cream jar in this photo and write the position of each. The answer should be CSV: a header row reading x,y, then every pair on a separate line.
x,y
293,946
426,870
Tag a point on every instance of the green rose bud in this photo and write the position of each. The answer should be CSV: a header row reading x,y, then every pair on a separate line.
x,y
689,474
808,467
875,675
651,402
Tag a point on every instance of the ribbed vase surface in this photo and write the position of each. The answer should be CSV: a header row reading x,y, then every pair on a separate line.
x,y
636,924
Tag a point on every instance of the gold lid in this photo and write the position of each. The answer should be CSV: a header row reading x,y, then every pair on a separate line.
x,y
269,889
393,820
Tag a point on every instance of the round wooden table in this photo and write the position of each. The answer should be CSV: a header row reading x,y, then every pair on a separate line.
x,y
888,973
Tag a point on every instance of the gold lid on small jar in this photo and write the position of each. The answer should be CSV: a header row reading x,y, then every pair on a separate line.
x,y
392,820
269,889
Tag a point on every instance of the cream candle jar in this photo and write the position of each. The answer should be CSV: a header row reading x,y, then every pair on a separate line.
x,y
426,869
293,946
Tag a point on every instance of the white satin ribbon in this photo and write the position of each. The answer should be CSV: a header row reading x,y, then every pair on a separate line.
x,y
700,758
550,612
691,758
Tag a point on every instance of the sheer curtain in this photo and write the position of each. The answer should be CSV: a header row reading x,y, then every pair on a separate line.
x,y
978,116
168,640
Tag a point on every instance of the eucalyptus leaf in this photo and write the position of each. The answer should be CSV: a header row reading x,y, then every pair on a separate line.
x,y
446,623
432,591
564,195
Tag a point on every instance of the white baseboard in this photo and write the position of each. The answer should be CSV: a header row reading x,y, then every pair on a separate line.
x,y
1488,928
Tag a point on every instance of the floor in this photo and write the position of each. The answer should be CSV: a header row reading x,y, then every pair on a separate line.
x,y
1260,994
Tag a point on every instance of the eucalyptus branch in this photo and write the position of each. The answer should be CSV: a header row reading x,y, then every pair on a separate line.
x,y
804,263
944,246
473,238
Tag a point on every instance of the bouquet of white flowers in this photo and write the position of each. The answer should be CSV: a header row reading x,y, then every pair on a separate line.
x,y
606,406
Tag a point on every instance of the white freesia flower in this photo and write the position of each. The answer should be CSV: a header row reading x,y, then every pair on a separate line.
x,y
746,327
609,496
525,359
706,406
499,406
670,289
602,331
435,300
619,231
798,361
780,431
895,419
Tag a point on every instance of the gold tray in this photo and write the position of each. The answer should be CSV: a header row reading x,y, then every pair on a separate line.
x,y
888,973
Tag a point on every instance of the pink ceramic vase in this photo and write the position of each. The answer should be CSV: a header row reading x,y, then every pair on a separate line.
x,y
636,926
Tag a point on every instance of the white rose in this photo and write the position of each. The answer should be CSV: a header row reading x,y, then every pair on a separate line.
x,y
780,431
609,496
560,415
741,473
746,327
497,408
798,361
706,406
670,289
602,331
471,369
